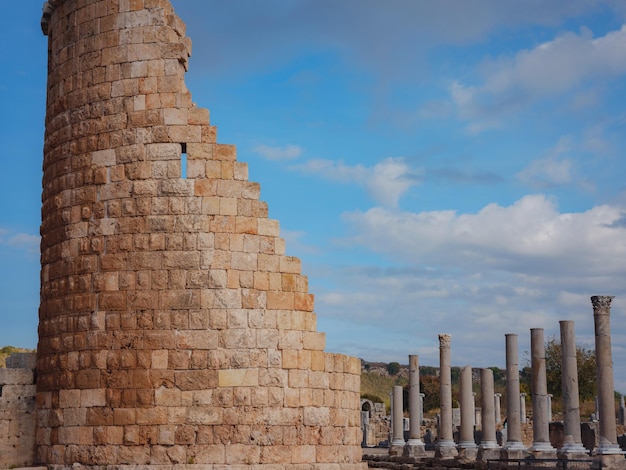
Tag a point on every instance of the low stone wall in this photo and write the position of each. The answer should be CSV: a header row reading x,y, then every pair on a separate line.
x,y
17,411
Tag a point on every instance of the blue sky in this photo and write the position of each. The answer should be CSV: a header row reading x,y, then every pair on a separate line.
x,y
439,167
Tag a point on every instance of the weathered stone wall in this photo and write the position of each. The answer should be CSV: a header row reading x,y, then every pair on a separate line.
x,y
173,327
17,411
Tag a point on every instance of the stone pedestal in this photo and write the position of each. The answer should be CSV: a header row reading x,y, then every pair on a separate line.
x,y
607,443
613,461
445,447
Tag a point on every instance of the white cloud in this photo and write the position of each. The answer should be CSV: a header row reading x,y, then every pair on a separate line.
x,y
528,235
289,152
386,182
553,169
25,242
550,69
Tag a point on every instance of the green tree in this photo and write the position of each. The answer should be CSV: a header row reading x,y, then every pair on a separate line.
x,y
586,362
429,386
393,368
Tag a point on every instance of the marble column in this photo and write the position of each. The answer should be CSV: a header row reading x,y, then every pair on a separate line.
x,y
488,448
513,448
572,443
445,447
496,405
607,442
549,409
422,407
397,424
541,447
522,408
467,447
414,446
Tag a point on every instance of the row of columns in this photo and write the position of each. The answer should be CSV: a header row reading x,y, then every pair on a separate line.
x,y
514,448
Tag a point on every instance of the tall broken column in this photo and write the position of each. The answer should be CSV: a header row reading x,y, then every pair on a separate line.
x,y
572,447
397,422
488,448
607,441
541,447
467,447
513,448
414,446
445,447
173,327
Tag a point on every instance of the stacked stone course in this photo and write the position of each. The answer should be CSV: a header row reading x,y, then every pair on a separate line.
x,y
17,411
173,327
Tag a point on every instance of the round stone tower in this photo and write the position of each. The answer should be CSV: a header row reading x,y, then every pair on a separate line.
x,y
173,328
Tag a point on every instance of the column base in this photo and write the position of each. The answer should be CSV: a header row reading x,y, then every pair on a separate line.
x,y
468,454
613,461
572,451
396,447
543,454
488,453
414,448
513,450
609,449
445,450
542,450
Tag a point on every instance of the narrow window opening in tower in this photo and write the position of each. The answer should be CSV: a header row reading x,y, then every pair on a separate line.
x,y
183,160
0,390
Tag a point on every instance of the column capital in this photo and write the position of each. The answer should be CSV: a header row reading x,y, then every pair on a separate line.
x,y
601,303
445,340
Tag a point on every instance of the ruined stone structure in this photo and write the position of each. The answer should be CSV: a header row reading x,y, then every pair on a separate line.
x,y
173,327
17,411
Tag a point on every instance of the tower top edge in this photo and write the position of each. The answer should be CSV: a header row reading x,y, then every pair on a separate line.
x,y
47,9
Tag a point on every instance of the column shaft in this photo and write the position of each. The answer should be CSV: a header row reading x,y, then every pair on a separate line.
x,y
445,444
488,420
604,369
513,424
467,409
397,417
414,399
541,426
572,443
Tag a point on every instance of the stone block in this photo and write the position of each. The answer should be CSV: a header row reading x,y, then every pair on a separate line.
x,y
16,376
314,340
269,227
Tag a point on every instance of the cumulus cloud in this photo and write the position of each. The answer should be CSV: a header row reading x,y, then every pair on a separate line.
x,y
288,152
553,68
386,182
530,234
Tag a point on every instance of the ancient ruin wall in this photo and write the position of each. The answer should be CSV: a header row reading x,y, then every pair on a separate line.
x,y
173,327
17,411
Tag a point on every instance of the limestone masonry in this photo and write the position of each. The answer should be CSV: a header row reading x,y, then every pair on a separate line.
x,y
17,411
173,327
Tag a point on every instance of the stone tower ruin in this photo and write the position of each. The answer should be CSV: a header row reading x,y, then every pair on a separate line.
x,y
173,328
